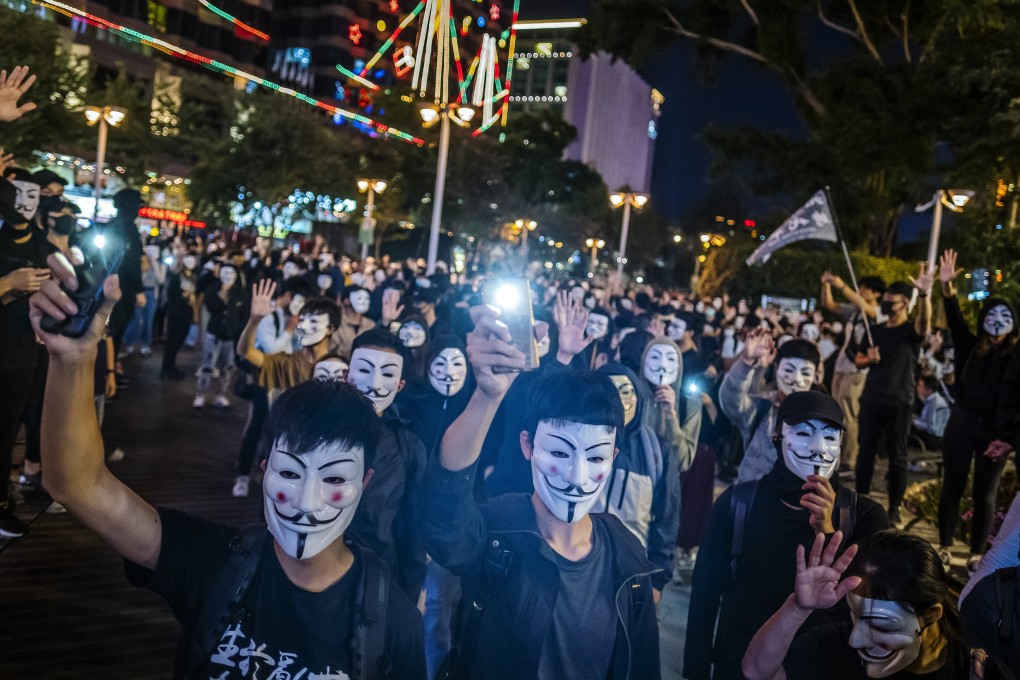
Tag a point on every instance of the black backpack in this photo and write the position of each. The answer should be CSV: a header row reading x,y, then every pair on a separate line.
x,y
222,608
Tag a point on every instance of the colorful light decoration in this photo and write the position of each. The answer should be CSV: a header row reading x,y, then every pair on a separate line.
x,y
494,12
354,34
234,20
434,24
394,6
389,41
510,54
219,67
485,85
364,82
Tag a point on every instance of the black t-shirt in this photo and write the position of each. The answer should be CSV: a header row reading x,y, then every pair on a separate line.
x,y
19,248
579,644
285,628
891,381
825,652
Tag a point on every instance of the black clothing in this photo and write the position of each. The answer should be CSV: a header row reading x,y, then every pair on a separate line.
x,y
891,381
510,632
982,610
226,317
891,425
282,625
765,572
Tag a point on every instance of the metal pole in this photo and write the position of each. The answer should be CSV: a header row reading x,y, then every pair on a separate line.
x,y
936,230
437,197
594,253
623,240
100,161
369,211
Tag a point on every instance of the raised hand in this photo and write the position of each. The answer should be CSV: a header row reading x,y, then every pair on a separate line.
x,y
6,161
758,346
391,307
571,319
948,272
12,86
924,279
818,585
489,348
262,298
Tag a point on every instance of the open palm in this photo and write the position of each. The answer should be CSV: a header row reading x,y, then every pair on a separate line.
x,y
818,585
12,86
262,298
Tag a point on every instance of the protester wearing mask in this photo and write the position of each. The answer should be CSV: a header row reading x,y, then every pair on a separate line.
x,y
673,414
972,430
128,202
888,397
224,300
182,310
737,575
353,321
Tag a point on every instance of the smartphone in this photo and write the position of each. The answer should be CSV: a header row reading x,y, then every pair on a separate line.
x,y
512,297
102,257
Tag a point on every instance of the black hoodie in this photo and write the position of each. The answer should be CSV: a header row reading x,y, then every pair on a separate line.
x,y
427,412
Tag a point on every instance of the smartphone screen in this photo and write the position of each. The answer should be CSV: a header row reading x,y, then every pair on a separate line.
x,y
512,297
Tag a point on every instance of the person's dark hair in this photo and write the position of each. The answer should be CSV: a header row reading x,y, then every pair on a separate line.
x,y
574,396
632,349
930,383
643,301
378,337
899,567
295,285
798,348
874,283
350,290
323,305
315,412
695,322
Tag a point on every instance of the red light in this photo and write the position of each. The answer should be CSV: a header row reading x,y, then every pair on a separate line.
x,y
354,34
749,224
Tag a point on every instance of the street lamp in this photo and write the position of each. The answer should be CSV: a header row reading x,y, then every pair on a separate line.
x,y
955,200
596,244
103,117
367,233
430,115
626,199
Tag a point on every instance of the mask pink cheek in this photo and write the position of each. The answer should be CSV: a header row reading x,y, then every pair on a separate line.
x,y
344,496
546,464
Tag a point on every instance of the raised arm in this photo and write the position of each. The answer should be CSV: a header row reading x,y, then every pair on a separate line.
x,y
571,320
72,448
923,284
261,307
827,300
735,391
851,295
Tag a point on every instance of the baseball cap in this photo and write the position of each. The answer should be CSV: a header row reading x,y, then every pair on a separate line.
x,y
811,405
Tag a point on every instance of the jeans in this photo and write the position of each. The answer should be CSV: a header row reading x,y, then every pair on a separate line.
x,y
217,354
891,425
846,390
139,331
257,413
442,596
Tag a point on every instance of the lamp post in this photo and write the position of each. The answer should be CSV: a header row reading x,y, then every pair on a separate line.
x,y
367,233
103,117
595,244
626,199
430,115
525,226
955,200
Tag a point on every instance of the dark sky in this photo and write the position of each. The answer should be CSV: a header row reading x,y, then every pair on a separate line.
x,y
739,93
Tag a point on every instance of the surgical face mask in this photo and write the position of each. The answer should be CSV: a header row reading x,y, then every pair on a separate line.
x,y
296,303
448,371
662,365
888,307
710,313
811,447
998,321
886,635
63,225
412,335
27,200
598,326
228,276
289,269
376,373
809,331
570,463
360,301
190,262
795,375
312,329
676,329
310,497
628,396
330,370
324,282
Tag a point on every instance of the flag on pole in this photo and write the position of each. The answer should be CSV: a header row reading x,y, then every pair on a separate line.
x,y
812,221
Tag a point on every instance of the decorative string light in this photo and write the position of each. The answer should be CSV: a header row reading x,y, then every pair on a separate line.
x,y
219,67
356,78
389,41
510,54
485,85
435,23
234,20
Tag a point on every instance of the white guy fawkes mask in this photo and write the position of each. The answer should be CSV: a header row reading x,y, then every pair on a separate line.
x,y
795,375
376,373
310,497
717,303
312,329
662,365
812,447
324,282
998,321
676,329
626,304
448,371
577,294
296,303
886,635
412,335
330,370
809,331
569,464
360,301
738,322
325,260
290,269
190,262
628,396
228,276
27,200
598,326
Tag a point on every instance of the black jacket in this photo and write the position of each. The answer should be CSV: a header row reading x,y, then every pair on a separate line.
x,y
460,534
226,318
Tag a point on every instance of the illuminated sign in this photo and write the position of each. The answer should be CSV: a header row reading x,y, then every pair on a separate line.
x,y
175,216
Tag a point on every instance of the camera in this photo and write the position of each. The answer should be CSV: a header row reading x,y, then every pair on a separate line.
x,y
101,258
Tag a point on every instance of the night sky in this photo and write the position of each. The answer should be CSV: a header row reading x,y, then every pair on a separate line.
x,y
739,93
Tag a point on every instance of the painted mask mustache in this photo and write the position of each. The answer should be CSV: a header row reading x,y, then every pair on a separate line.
x,y
571,490
311,521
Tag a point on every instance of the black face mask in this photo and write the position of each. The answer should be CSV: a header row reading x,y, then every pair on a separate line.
x,y
887,307
63,225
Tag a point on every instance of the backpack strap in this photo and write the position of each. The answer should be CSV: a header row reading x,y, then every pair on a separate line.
x,y
371,600
846,503
761,413
221,604
740,505
276,324
1005,587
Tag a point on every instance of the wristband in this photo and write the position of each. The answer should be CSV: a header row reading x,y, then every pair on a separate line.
x,y
921,295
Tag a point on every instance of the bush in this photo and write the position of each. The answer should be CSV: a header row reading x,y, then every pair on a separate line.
x,y
922,499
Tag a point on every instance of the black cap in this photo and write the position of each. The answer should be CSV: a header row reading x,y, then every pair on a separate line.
x,y
800,406
46,177
900,288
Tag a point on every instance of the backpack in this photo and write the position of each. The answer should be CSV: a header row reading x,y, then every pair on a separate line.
x,y
743,499
221,607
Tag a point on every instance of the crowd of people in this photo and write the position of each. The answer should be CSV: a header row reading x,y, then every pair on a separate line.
x,y
443,499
